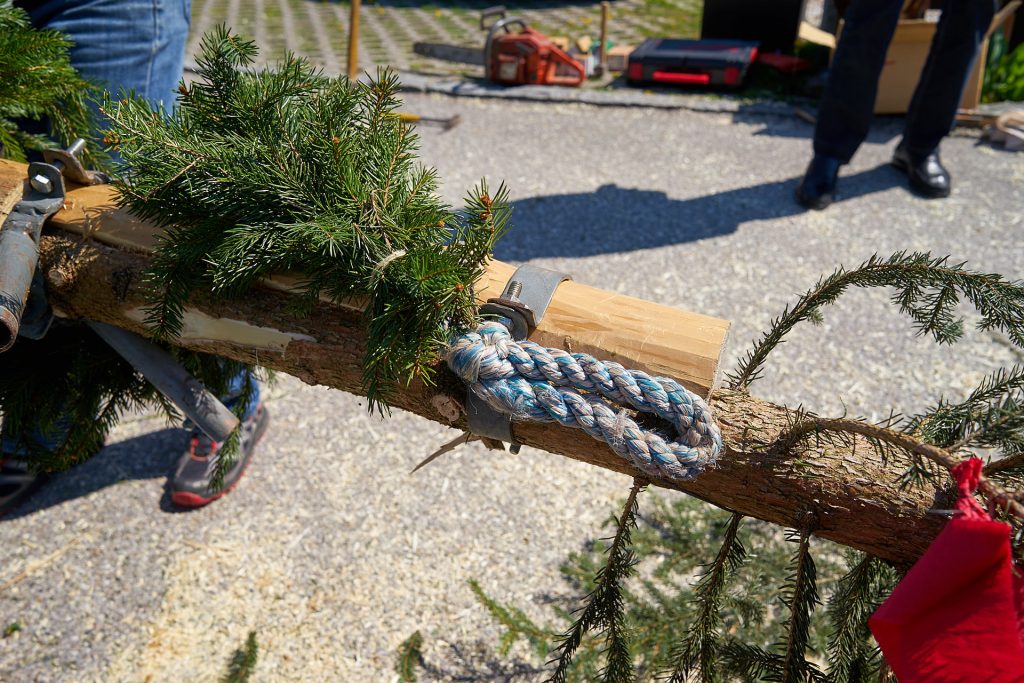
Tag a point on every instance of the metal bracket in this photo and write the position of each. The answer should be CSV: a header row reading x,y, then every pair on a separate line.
x,y
520,308
19,251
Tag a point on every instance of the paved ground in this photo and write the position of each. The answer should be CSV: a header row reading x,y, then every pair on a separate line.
x,y
334,555
319,29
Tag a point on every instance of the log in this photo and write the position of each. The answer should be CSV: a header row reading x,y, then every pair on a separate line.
x,y
842,493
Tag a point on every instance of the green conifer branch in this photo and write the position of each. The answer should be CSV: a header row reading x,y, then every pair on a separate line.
x,y
603,607
410,656
928,290
284,169
853,655
992,416
243,662
700,649
38,83
515,622
801,596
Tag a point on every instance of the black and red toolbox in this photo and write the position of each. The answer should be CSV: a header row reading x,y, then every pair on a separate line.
x,y
671,61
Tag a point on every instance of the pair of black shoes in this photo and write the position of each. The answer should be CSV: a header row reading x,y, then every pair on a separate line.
x,y
927,177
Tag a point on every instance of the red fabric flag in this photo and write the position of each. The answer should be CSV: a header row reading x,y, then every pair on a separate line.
x,y
958,614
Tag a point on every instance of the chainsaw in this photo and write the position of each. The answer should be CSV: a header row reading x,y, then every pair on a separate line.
x,y
522,57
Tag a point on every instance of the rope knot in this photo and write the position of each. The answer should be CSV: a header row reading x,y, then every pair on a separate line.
x,y
534,383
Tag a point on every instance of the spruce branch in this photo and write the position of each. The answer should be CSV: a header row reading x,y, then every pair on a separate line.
x,y
604,605
260,171
928,290
410,656
699,651
38,84
853,655
992,416
243,662
801,596
907,443
515,622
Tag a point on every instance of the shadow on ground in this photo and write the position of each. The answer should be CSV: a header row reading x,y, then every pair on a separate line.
x,y
617,219
143,457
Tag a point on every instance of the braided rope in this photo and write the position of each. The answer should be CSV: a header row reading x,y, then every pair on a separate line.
x,y
534,383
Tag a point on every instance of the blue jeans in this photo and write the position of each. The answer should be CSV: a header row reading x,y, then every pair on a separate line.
x,y
136,45
849,99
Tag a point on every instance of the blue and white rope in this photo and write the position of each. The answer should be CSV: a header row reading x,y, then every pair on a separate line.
x,y
538,384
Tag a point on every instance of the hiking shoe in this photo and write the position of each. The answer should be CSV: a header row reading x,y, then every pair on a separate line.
x,y
193,475
17,482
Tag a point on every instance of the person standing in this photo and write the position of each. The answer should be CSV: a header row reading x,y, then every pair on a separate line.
x,y
849,99
134,45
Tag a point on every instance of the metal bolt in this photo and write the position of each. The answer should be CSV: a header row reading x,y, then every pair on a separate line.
x,y
514,288
41,183
76,147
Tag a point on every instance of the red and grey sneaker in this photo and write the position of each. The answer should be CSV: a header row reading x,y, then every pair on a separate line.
x,y
193,476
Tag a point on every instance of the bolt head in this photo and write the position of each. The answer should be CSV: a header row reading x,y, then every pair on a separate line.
x,y
41,183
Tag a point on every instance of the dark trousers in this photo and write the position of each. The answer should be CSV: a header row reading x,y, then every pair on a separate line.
x,y
849,99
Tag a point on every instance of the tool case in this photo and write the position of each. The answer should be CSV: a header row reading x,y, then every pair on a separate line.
x,y
670,61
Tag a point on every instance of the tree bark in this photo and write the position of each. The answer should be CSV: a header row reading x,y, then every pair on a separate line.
x,y
842,493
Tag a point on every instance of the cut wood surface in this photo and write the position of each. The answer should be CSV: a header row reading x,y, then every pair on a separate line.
x,y
639,334
842,493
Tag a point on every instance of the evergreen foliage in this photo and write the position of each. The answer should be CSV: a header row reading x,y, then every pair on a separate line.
x,y
603,608
737,605
714,635
701,647
284,169
409,657
928,290
38,84
71,388
243,662
853,656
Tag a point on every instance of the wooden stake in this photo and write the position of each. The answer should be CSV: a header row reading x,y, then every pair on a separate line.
x,y
353,40
605,10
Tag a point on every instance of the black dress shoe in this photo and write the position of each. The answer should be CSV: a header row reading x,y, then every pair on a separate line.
x,y
818,188
927,175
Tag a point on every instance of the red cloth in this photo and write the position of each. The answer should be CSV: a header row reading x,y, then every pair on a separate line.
x,y
958,614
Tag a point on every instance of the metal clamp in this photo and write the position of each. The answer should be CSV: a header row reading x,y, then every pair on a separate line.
x,y
24,310
520,308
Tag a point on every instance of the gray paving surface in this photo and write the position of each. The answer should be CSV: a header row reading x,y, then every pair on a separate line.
x,y
319,29
334,555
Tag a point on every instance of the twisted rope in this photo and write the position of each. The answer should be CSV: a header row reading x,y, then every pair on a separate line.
x,y
538,384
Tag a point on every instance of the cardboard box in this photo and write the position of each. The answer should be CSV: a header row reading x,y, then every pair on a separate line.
x,y
906,56
618,57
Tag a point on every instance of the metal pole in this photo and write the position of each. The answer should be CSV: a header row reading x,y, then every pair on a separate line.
x,y
604,38
171,379
353,41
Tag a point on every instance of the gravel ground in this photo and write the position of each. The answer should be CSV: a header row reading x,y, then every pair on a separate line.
x,y
334,554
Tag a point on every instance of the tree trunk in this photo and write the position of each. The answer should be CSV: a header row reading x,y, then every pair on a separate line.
x,y
841,493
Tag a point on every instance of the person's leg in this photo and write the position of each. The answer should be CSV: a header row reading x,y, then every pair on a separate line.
x,y
849,99
136,45
962,27
191,484
848,103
